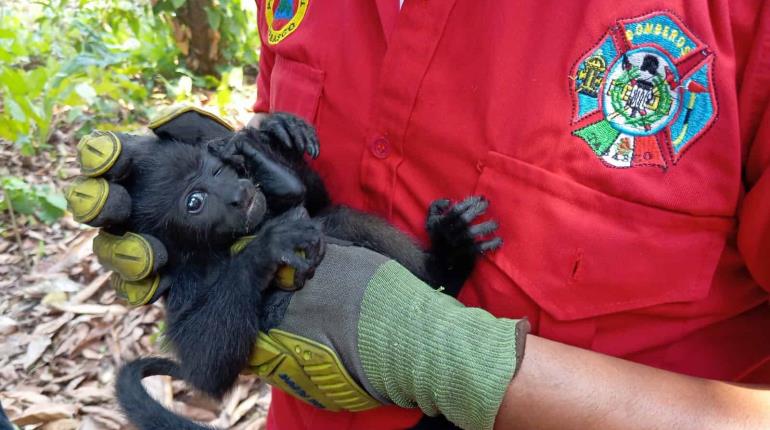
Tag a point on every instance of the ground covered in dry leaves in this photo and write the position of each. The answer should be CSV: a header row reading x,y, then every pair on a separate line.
x,y
63,332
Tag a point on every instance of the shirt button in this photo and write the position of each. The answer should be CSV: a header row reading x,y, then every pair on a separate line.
x,y
380,147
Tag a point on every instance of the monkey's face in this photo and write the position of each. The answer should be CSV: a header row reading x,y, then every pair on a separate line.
x,y
216,200
189,198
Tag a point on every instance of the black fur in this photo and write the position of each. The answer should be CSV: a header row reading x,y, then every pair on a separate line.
x,y
213,298
5,423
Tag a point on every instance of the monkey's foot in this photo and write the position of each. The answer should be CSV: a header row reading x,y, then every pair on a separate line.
x,y
452,229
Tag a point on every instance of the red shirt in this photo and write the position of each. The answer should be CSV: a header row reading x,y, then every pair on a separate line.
x,y
624,147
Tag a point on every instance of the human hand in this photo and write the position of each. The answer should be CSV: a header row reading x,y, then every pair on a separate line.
x,y
364,331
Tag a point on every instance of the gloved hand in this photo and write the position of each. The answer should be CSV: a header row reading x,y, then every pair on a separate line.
x,y
365,331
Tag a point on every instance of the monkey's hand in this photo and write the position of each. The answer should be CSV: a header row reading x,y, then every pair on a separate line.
x,y
291,132
292,240
365,331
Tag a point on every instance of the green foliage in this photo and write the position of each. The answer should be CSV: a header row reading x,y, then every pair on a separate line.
x,y
41,201
58,55
80,61
236,24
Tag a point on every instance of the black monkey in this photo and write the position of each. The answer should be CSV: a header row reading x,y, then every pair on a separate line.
x,y
199,200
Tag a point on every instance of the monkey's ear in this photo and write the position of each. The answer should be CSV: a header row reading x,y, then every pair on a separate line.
x,y
190,124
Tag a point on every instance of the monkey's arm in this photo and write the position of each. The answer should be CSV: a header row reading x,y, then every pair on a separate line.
x,y
213,325
213,321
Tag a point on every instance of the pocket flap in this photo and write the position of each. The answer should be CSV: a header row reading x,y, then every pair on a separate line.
x,y
296,88
582,253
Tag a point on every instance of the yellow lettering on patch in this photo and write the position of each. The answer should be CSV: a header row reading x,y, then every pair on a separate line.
x,y
658,29
680,42
639,29
629,35
673,35
665,32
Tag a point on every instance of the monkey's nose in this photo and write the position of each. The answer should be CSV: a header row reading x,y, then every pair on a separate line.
x,y
243,195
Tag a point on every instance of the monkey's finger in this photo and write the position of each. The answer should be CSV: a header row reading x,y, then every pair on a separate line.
x,y
439,207
464,204
310,139
474,210
299,263
483,229
490,245
278,131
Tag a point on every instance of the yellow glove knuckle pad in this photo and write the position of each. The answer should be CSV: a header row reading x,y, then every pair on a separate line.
x,y
308,370
98,152
86,198
135,293
131,255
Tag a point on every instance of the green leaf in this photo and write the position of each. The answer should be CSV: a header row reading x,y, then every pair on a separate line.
x,y
52,206
14,109
214,18
178,3
85,91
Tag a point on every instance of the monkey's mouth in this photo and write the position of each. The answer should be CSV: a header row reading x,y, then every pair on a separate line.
x,y
255,211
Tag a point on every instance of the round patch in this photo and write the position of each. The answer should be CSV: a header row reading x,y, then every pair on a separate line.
x,y
283,17
640,95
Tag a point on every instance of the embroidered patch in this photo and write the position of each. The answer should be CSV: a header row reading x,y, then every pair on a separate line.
x,y
644,93
283,17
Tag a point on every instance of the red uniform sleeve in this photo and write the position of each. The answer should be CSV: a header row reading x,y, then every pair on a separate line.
x,y
754,213
266,61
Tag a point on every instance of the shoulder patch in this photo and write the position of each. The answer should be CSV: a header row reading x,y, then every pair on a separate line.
x,y
283,17
644,93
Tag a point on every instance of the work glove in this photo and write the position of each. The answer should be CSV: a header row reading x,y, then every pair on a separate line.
x,y
364,331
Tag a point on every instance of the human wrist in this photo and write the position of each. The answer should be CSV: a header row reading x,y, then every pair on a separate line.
x,y
422,348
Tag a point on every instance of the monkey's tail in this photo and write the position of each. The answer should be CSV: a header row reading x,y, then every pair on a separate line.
x,y
140,408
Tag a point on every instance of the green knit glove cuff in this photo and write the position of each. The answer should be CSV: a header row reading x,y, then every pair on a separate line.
x,y
422,348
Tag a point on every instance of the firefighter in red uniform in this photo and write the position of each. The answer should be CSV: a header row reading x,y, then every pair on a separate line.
x,y
625,150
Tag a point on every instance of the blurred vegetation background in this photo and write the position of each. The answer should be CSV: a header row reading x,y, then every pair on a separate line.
x,y
70,66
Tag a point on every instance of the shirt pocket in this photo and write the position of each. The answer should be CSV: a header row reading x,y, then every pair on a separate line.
x,y
580,253
296,88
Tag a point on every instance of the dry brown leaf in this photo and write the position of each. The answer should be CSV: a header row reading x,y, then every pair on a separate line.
x,y
108,414
244,408
91,288
37,345
64,424
45,412
50,283
54,297
90,395
77,251
159,388
193,413
89,423
51,327
8,325
89,309
255,423
27,396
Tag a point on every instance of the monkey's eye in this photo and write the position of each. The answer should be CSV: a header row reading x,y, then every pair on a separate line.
x,y
195,202
218,171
